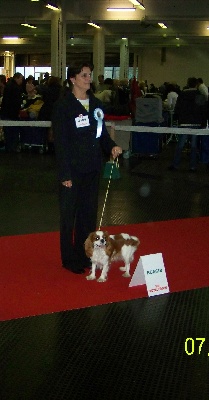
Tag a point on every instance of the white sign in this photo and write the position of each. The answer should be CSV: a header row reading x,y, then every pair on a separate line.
x,y
150,270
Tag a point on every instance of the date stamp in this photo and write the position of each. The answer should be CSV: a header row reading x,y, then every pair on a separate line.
x,y
194,346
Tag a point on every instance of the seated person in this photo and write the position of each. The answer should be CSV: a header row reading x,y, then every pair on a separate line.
x,y
31,108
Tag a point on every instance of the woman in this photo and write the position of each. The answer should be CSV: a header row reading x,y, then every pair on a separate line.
x,y
80,137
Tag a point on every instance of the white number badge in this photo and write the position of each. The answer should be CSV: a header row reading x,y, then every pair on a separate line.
x,y
82,121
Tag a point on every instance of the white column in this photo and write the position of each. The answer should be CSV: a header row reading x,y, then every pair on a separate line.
x,y
9,64
58,43
124,59
98,53
63,49
55,20
135,65
139,69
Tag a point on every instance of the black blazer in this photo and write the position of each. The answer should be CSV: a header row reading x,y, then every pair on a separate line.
x,y
12,100
78,149
191,107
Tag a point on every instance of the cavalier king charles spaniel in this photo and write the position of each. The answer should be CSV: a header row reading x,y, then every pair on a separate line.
x,y
103,248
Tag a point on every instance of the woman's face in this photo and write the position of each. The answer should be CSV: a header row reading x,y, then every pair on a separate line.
x,y
82,80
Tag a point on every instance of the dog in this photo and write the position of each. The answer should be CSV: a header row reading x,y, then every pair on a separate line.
x,y
103,249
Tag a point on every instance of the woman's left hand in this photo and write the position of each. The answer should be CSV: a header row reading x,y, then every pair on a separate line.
x,y
116,151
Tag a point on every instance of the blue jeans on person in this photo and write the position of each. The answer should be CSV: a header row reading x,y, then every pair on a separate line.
x,y
180,145
204,156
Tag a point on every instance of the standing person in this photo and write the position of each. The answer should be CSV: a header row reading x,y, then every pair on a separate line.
x,y
101,85
45,79
191,112
80,136
202,88
171,97
10,109
42,87
30,87
50,96
3,82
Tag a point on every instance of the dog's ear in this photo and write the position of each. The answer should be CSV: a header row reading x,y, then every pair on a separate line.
x,y
106,235
88,246
109,245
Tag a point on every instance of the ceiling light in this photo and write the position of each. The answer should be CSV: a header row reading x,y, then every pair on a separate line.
x,y
34,0
29,26
118,9
10,37
162,25
94,25
138,4
52,6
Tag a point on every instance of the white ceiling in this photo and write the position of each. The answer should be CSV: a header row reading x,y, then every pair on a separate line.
x,y
186,19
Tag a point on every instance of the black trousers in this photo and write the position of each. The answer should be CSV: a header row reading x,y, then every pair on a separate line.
x,y
11,137
78,214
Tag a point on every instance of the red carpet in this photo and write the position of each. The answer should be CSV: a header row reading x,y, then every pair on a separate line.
x,y
32,281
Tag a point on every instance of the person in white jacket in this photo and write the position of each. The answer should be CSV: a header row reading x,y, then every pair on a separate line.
x,y
171,97
202,87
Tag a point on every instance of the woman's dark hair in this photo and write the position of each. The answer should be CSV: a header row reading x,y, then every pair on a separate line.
x,y
192,82
3,79
108,81
54,81
75,69
171,88
17,75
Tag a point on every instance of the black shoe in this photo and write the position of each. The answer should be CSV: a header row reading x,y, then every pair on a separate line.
x,y
172,168
75,270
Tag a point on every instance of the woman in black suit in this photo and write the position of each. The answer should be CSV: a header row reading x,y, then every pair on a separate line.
x,y
80,138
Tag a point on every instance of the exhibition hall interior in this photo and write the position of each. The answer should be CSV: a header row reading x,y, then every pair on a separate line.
x,y
141,337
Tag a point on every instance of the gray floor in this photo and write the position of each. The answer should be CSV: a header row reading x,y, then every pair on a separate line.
x,y
123,351
146,191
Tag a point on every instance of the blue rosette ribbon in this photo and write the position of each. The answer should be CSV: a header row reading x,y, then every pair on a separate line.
x,y
98,115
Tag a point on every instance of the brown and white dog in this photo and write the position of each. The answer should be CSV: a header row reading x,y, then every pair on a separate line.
x,y
103,249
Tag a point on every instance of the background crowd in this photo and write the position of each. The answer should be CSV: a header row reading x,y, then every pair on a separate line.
x,y
24,99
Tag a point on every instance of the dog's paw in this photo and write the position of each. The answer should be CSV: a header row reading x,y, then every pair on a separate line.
x,y
126,275
101,279
90,277
122,268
